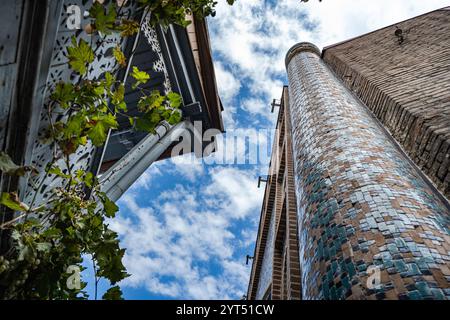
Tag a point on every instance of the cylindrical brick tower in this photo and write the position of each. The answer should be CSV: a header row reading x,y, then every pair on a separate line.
x,y
370,227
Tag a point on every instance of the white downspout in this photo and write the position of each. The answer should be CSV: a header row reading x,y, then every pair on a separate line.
x,y
127,170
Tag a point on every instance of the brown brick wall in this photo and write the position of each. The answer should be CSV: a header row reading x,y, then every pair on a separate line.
x,y
293,260
279,200
407,86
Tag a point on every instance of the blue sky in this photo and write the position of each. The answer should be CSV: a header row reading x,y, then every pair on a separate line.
x,y
188,226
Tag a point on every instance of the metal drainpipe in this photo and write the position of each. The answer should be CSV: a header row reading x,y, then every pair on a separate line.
x,y
122,175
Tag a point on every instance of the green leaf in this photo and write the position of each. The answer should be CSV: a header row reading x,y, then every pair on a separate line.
x,y
9,167
74,126
97,134
80,55
100,128
129,27
174,118
104,21
110,208
58,172
109,120
118,98
113,293
11,200
99,89
154,100
174,99
145,124
141,77
52,232
16,236
155,117
64,93
89,179
109,79
119,56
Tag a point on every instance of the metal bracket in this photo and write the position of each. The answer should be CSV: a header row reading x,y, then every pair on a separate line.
x,y
275,103
192,110
261,180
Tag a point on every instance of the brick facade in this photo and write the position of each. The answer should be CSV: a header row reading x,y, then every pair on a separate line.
x,y
276,267
405,81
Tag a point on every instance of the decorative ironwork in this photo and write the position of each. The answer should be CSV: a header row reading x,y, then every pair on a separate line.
x,y
159,65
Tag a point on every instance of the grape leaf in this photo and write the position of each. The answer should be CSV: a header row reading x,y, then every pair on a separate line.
x,y
145,124
113,293
154,100
119,56
118,96
80,55
141,77
64,93
109,79
110,208
129,27
101,125
74,125
174,99
175,117
104,21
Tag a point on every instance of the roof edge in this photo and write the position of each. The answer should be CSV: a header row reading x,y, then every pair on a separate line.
x,y
379,29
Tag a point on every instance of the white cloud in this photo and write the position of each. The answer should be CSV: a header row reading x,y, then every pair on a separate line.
x,y
188,166
171,242
237,189
144,181
344,19
252,37
257,106
228,85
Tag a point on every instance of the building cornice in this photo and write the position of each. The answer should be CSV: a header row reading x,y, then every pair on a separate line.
x,y
300,47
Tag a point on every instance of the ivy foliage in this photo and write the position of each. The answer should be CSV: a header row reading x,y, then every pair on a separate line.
x,y
49,239
69,226
175,11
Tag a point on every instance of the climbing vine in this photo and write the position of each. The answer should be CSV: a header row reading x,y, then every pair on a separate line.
x,y
49,239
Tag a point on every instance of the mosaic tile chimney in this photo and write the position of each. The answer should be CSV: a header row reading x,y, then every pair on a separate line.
x,y
370,225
